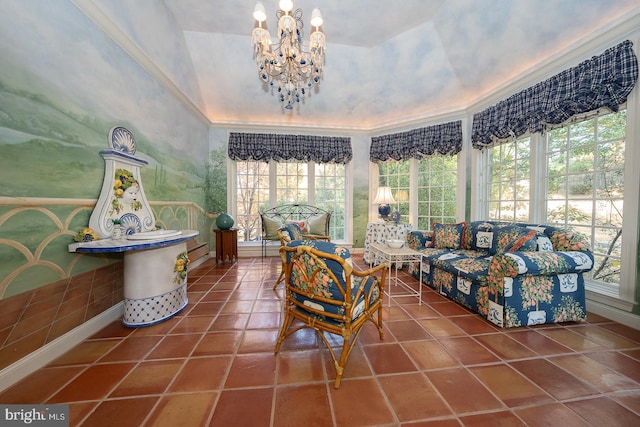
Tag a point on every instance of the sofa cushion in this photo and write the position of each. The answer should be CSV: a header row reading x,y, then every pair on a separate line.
x,y
567,240
527,241
302,225
473,265
291,231
448,236
512,238
420,239
479,236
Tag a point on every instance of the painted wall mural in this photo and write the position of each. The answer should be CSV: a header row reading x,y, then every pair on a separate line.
x,y
63,85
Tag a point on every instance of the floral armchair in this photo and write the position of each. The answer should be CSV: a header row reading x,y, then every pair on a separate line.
x,y
292,231
326,294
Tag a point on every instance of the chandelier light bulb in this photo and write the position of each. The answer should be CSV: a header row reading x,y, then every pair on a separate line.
x,y
316,18
286,5
259,13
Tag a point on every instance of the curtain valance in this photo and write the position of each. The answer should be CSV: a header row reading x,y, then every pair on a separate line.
x,y
443,139
264,147
602,81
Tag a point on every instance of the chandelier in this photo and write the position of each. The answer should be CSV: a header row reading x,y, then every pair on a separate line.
x,y
287,64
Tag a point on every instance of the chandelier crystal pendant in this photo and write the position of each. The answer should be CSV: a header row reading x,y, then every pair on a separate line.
x,y
288,64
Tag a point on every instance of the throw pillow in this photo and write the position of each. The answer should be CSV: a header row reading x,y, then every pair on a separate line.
x,y
291,231
448,236
512,238
301,224
317,224
568,240
544,243
479,235
271,225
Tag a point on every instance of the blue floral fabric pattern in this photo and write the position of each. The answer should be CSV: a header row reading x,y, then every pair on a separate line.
x,y
513,238
291,231
478,235
448,235
323,285
419,239
541,282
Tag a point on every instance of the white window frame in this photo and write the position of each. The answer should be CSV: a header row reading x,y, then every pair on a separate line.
x,y
622,296
461,187
232,197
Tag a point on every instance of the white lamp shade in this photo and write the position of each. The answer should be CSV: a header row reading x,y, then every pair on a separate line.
x,y
384,196
402,196
286,5
316,18
259,13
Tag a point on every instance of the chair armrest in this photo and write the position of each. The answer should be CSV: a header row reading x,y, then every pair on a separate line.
x,y
372,271
535,263
417,239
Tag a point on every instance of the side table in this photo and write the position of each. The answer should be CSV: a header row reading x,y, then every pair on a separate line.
x,y
398,256
226,245
380,232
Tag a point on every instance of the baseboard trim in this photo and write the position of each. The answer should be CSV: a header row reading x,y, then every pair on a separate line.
x,y
612,313
49,352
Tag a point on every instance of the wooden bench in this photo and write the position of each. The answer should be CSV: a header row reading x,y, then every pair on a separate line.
x,y
312,220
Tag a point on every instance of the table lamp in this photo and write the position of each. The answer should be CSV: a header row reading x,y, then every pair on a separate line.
x,y
383,198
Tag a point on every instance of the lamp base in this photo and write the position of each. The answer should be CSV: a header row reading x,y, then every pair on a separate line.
x,y
384,211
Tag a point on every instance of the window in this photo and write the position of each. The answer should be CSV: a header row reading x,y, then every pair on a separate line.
x,y
437,181
437,178
396,174
252,195
585,175
579,181
261,185
292,182
509,181
330,194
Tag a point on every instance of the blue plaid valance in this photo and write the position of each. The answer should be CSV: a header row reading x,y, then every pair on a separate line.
x,y
263,147
602,81
445,138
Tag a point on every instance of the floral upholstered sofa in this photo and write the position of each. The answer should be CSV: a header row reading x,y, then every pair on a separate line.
x,y
512,274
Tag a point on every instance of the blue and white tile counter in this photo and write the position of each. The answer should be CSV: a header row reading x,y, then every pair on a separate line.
x,y
155,274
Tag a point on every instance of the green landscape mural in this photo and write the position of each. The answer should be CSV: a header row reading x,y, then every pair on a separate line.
x,y
63,85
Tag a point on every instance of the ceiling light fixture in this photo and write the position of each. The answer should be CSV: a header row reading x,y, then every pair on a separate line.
x,y
288,64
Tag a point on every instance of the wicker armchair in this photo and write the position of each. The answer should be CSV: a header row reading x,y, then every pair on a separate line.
x,y
326,294
292,231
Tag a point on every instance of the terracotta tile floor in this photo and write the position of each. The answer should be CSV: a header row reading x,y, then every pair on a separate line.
x,y
439,365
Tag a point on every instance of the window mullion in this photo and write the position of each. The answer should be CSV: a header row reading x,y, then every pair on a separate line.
x,y
311,183
538,179
413,192
273,183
